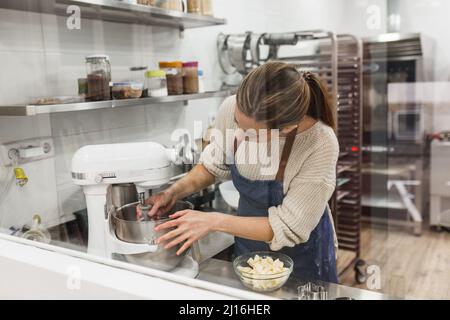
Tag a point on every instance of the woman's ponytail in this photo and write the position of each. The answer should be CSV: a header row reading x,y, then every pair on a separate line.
x,y
320,106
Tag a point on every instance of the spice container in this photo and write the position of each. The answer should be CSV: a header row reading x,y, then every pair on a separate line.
x,y
207,8
174,76
190,77
127,90
156,83
194,6
138,75
98,77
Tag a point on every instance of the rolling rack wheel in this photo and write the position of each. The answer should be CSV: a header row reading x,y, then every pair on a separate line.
x,y
360,271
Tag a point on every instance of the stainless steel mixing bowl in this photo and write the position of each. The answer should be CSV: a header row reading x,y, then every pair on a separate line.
x,y
129,229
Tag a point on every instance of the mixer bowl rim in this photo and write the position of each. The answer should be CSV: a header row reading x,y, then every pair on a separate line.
x,y
159,221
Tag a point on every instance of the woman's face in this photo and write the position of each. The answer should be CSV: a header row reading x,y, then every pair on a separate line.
x,y
248,125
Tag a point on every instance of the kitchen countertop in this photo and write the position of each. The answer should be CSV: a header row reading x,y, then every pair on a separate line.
x,y
221,272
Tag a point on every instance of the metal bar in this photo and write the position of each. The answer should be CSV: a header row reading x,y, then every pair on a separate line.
x,y
391,37
410,206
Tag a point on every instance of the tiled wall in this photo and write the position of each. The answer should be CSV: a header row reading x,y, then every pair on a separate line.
x,y
39,56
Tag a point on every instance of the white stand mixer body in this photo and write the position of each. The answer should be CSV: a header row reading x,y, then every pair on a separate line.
x,y
97,167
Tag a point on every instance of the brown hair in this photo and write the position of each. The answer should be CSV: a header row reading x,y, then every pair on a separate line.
x,y
279,95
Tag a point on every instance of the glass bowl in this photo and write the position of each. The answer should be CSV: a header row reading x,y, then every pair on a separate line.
x,y
263,282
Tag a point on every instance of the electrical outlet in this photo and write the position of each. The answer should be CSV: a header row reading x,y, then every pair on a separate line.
x,y
29,150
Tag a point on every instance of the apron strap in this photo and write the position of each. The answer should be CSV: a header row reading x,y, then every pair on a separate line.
x,y
284,156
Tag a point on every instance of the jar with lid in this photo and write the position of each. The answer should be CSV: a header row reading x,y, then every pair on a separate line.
x,y
207,8
194,6
190,77
98,77
138,76
174,76
156,83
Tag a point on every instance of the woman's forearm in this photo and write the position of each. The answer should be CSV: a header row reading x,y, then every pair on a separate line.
x,y
197,179
252,228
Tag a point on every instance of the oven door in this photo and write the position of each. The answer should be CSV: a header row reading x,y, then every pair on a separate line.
x,y
407,126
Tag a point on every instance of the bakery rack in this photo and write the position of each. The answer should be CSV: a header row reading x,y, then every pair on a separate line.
x,y
347,201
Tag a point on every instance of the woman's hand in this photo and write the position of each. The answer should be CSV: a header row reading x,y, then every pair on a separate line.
x,y
161,203
190,226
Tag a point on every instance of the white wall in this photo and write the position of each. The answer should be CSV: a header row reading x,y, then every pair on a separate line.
x,y
39,56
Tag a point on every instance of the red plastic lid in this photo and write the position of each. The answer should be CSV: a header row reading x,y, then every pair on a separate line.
x,y
191,64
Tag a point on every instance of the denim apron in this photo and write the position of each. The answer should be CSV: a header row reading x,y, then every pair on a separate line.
x,y
313,260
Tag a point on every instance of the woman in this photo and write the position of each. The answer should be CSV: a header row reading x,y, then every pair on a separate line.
x,y
284,210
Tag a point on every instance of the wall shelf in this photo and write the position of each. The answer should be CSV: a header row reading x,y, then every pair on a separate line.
x,y
32,110
116,11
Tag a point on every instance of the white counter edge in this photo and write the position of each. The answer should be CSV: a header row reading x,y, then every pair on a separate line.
x,y
33,270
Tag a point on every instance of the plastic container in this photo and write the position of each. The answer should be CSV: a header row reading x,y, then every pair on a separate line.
x,y
194,6
174,76
190,77
263,282
98,77
156,83
207,8
138,75
127,90
201,82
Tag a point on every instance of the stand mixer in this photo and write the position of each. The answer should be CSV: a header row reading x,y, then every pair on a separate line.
x,y
98,168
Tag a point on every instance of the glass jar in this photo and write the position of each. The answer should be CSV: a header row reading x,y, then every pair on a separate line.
x,y
138,75
98,77
194,6
156,83
190,77
127,90
82,88
207,8
174,76
176,5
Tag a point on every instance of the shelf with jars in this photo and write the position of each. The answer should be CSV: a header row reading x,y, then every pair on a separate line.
x,y
169,13
74,105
